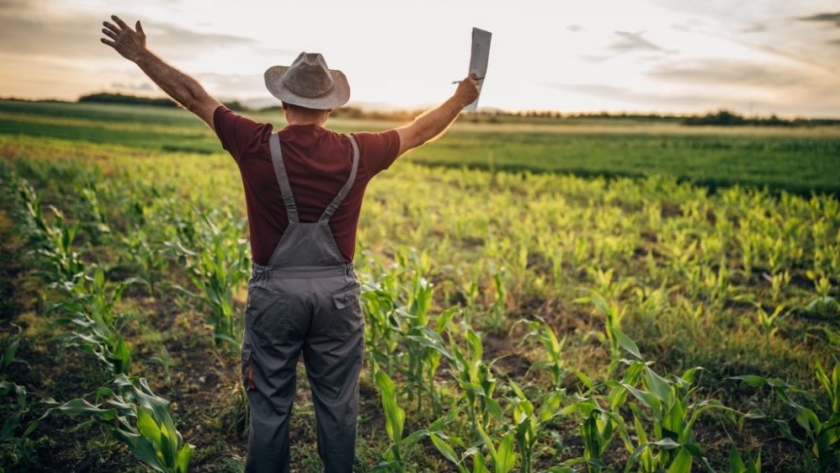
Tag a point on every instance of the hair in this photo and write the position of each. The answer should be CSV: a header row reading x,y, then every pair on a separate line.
x,y
303,110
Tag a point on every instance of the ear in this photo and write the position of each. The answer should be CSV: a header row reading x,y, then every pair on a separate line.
x,y
285,106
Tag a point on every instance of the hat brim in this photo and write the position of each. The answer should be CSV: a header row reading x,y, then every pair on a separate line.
x,y
338,96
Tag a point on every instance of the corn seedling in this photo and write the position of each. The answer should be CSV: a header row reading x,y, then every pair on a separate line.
x,y
553,348
13,421
823,305
673,416
381,324
53,240
215,272
133,415
91,216
498,308
612,323
477,381
530,422
395,457
91,313
446,446
737,464
150,262
767,322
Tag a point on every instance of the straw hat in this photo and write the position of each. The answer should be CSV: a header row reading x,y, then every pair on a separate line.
x,y
308,83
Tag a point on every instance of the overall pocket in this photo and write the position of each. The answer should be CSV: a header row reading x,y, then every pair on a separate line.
x,y
347,309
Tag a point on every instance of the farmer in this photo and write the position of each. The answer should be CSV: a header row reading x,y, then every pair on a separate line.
x,y
303,189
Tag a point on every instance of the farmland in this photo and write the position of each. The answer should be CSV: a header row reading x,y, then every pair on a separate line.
x,y
537,298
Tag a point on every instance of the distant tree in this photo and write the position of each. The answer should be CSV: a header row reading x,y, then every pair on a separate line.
x,y
105,97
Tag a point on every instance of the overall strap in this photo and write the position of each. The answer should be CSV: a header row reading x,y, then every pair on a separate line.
x,y
330,210
282,177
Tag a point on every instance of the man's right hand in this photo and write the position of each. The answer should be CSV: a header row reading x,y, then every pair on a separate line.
x,y
467,90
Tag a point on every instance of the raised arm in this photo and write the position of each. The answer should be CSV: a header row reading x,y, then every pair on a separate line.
x,y
182,88
434,122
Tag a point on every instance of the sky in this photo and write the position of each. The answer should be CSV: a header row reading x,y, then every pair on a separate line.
x,y
664,56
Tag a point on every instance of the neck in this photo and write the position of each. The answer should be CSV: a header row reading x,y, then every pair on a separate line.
x,y
299,116
305,121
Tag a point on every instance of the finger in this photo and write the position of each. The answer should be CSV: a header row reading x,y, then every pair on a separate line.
x,y
109,33
120,22
139,28
108,42
473,76
110,27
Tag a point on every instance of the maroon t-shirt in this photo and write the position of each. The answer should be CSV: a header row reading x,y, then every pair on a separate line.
x,y
318,163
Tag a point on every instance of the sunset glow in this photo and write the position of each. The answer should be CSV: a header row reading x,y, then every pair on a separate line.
x,y
762,57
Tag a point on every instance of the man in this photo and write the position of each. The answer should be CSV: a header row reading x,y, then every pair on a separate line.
x,y
303,189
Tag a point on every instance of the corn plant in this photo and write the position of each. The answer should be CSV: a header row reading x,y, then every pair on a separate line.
x,y
214,272
767,321
823,305
133,415
381,324
822,434
92,217
502,454
597,427
13,421
394,459
90,310
149,261
530,422
668,401
778,283
54,241
498,308
612,323
446,445
553,348
737,464
425,347
477,381
600,418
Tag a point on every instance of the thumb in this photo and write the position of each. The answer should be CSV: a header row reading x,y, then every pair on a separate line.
x,y
139,28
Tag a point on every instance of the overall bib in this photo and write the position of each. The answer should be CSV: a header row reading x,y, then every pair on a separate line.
x,y
305,299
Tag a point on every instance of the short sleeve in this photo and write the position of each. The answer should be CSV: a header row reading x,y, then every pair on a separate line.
x,y
378,150
237,133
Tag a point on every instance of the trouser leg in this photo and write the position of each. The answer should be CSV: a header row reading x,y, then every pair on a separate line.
x,y
270,397
333,353
275,338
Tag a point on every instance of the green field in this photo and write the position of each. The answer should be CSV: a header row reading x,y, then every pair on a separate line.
x,y
544,312
801,161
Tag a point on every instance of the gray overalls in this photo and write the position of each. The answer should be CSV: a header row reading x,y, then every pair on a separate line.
x,y
306,298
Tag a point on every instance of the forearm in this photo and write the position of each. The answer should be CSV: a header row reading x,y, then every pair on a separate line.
x,y
179,86
433,123
436,121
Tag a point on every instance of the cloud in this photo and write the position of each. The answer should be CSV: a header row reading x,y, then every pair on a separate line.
x,y
645,99
756,28
139,87
77,36
241,85
629,42
823,17
727,72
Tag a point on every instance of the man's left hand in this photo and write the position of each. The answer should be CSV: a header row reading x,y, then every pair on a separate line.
x,y
129,43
